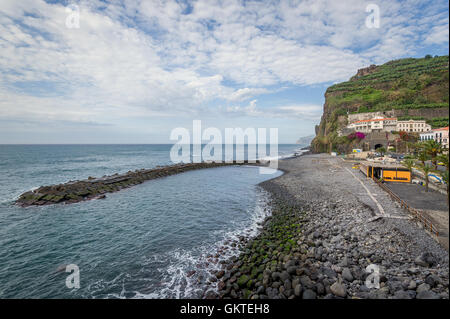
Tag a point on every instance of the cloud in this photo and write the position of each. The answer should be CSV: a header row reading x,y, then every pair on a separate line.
x,y
309,112
438,35
246,93
172,58
312,112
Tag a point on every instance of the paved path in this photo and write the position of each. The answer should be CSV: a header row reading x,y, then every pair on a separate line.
x,y
371,194
431,204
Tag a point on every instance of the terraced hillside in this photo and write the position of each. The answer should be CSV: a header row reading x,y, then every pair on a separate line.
x,y
407,88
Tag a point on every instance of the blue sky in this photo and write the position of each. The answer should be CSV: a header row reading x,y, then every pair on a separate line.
x,y
134,71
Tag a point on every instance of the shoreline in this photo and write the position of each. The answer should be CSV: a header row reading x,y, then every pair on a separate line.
x,y
320,239
96,188
203,274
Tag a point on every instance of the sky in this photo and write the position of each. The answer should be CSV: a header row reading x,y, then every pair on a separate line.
x,y
96,71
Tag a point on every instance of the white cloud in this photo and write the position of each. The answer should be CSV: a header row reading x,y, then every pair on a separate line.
x,y
246,93
312,112
438,35
306,111
149,58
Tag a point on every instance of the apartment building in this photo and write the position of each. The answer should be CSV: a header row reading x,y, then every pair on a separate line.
x,y
413,126
381,124
377,124
440,135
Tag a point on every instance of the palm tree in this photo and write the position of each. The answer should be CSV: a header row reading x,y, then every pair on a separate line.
x,y
409,163
426,169
444,176
444,159
423,157
433,148
416,147
409,146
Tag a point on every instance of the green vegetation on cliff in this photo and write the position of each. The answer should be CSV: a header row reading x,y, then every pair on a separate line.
x,y
405,84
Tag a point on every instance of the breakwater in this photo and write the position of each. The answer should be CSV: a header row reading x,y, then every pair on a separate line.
x,y
96,188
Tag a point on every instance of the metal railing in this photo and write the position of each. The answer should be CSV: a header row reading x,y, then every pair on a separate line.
x,y
416,214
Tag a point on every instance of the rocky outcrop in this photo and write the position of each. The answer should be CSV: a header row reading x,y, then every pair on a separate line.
x,y
364,71
305,140
95,188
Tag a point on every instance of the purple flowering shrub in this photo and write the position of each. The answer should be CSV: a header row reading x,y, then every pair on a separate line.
x,y
356,135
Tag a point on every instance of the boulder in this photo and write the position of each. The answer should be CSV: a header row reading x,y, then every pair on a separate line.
x,y
338,289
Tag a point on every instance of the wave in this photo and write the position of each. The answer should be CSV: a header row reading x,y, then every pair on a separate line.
x,y
191,274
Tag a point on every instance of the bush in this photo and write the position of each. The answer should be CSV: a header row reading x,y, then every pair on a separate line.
x,y
356,135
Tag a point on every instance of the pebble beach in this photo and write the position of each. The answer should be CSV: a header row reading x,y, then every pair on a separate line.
x,y
328,230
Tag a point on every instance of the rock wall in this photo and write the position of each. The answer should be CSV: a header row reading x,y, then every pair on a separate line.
x,y
77,191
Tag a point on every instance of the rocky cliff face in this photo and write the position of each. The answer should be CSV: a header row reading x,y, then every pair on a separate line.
x,y
417,88
305,140
364,71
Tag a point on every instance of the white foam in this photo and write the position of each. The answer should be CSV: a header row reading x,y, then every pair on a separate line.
x,y
176,283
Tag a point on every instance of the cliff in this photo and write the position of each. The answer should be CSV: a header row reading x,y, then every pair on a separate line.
x,y
305,140
406,88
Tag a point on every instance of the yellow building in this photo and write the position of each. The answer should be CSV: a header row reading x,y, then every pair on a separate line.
x,y
388,172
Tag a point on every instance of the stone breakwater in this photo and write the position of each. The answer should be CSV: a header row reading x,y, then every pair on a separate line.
x,y
96,188
320,239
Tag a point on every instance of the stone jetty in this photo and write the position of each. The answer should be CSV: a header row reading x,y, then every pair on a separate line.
x,y
96,188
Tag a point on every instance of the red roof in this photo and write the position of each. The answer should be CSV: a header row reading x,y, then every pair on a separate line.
x,y
441,129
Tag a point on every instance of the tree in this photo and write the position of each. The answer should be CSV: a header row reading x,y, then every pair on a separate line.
x,y
423,157
433,149
409,163
404,136
381,150
426,169
324,140
444,176
415,147
444,159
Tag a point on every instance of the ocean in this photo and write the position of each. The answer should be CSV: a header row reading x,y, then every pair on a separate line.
x,y
159,239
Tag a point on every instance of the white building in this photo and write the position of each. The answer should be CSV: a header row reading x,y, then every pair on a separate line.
x,y
427,136
382,124
413,126
377,124
440,135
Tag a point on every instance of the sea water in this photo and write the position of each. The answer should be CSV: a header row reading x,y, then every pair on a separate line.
x,y
159,239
